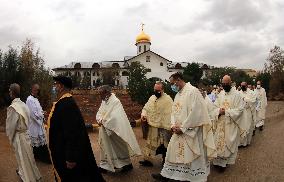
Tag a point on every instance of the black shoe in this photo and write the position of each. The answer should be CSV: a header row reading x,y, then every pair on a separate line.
x,y
127,168
102,170
261,128
146,163
159,177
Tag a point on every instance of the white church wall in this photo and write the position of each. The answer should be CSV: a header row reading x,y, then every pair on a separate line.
x,y
154,65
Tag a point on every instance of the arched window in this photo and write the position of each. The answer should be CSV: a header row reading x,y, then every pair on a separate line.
x,y
68,73
115,65
148,58
178,66
94,73
96,66
77,65
161,64
139,48
144,48
77,73
86,73
125,73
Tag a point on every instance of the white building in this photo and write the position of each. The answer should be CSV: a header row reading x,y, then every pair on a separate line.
x,y
157,65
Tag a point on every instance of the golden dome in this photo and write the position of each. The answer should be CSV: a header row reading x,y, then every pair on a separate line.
x,y
142,37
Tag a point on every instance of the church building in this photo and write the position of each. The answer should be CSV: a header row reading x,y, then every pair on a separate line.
x,y
157,66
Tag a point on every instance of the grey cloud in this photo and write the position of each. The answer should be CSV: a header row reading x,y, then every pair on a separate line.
x,y
141,10
65,9
234,52
225,15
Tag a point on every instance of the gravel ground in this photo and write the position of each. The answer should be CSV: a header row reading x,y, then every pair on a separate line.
x,y
262,161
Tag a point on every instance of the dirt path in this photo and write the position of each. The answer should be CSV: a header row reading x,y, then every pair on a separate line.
x,y
263,161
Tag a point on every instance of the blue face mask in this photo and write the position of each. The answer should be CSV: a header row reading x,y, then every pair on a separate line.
x,y
174,88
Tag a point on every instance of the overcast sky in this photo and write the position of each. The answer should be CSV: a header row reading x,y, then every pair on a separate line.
x,y
216,32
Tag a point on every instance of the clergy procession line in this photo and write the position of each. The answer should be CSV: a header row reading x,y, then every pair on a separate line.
x,y
191,132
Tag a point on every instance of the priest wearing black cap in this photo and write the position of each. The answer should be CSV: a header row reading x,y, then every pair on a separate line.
x,y
69,144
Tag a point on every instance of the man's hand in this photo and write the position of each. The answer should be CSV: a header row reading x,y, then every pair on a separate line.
x,y
222,111
176,129
70,165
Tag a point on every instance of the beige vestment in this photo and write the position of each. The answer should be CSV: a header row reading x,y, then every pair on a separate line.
x,y
189,153
116,137
249,116
158,114
228,130
16,129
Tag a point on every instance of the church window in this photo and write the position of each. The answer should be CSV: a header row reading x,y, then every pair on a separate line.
x,y
94,82
77,66
115,65
77,73
144,48
139,48
96,66
94,73
147,58
161,64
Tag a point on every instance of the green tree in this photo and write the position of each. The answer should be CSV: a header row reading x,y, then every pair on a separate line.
x,y
216,75
240,76
275,66
109,76
76,80
138,85
192,73
9,73
24,68
86,81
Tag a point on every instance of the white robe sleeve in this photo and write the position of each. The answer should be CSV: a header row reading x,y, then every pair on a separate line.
x,y
35,112
197,114
236,112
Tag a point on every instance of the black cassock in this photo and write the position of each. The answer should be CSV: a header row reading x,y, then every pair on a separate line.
x,y
69,141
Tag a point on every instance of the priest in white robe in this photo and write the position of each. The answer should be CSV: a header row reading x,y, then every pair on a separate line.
x,y
228,131
116,137
261,105
156,114
16,128
192,144
249,113
36,126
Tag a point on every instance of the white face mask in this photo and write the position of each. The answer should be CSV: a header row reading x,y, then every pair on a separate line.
x,y
258,86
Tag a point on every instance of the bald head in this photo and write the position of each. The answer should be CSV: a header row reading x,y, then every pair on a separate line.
x,y
227,79
105,91
14,90
244,84
159,86
35,90
226,83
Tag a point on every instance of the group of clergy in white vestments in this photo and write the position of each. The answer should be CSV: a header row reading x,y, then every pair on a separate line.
x,y
190,132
